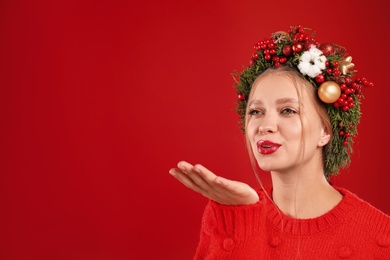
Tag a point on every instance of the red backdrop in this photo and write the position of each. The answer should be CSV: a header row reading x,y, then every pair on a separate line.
x,y
99,99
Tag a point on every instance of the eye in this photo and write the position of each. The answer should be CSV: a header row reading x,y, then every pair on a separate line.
x,y
289,111
254,112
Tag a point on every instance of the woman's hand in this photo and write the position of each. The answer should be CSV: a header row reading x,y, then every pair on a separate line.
x,y
219,189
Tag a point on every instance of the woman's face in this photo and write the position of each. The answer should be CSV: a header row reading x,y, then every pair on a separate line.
x,y
284,132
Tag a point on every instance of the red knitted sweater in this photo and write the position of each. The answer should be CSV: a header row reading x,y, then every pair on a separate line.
x,y
352,230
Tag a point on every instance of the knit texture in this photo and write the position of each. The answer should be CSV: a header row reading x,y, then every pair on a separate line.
x,y
353,229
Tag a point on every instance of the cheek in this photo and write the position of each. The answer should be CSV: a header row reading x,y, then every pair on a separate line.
x,y
312,128
291,129
251,129
251,132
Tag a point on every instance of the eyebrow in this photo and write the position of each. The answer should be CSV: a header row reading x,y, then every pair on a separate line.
x,y
279,101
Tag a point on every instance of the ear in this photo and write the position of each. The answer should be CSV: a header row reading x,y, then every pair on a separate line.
x,y
324,138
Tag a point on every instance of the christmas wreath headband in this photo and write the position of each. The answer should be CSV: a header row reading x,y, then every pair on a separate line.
x,y
328,68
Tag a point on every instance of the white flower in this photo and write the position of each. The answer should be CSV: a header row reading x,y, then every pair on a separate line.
x,y
312,62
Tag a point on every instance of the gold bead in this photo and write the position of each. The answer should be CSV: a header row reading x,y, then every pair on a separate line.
x,y
329,92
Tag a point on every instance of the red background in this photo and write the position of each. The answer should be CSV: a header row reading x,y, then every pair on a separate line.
x,y
99,99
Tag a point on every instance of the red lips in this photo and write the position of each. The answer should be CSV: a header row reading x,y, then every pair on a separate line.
x,y
267,147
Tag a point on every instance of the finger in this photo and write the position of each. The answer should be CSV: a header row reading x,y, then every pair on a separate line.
x,y
212,186
197,177
186,180
206,174
184,166
220,184
194,173
212,179
221,189
239,192
224,188
235,187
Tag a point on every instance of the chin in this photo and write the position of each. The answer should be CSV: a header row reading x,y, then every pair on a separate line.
x,y
266,167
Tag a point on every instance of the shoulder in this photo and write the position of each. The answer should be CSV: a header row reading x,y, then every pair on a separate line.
x,y
365,228
362,205
365,215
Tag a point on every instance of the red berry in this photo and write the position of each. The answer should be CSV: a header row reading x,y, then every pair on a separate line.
x,y
287,50
320,78
348,80
241,97
297,47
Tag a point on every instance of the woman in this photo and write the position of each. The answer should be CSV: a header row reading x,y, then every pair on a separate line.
x,y
300,106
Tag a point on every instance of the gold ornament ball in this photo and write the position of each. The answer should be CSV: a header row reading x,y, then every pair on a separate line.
x,y
329,92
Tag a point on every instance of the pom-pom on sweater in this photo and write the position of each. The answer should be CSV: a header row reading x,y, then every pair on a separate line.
x,y
353,229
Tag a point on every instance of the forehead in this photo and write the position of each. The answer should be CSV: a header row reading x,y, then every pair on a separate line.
x,y
274,85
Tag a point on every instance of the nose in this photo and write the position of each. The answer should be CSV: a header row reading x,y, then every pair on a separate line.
x,y
267,125
266,130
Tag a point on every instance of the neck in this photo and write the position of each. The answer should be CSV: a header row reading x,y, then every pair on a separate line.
x,y
303,195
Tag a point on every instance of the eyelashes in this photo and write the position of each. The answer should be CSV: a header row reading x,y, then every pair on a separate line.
x,y
253,112
284,111
289,111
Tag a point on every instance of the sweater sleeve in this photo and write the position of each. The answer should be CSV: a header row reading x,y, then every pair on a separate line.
x,y
231,232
